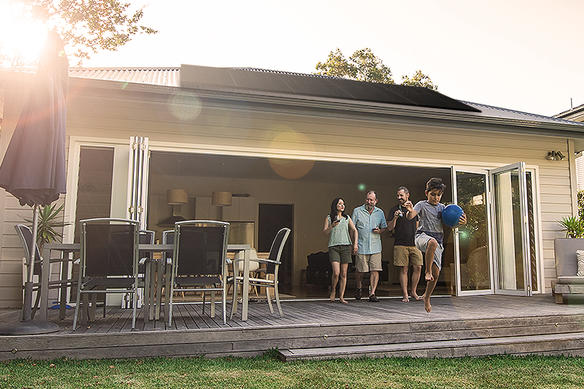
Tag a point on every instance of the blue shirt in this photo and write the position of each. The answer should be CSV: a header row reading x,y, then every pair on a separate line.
x,y
365,222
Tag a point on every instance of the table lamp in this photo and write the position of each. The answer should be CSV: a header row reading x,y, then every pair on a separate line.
x,y
221,199
175,198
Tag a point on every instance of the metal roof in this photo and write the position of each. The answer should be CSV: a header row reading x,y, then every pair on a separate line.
x,y
575,113
505,113
171,76
299,84
165,76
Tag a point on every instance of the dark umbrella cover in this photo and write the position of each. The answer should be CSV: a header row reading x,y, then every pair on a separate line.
x,y
33,169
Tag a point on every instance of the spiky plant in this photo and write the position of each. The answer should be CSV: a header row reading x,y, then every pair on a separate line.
x,y
47,224
574,226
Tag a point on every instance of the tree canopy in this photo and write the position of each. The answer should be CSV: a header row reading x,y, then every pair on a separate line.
x,y
364,65
87,26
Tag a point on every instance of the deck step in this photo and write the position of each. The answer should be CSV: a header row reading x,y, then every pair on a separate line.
x,y
551,344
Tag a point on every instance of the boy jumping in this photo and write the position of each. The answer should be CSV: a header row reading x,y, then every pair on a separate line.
x,y
430,234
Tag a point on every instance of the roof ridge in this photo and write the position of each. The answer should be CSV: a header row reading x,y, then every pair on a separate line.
x,y
120,68
261,70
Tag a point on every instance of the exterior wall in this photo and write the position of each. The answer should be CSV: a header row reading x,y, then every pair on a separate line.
x,y
189,123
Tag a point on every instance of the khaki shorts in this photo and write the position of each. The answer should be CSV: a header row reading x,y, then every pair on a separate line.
x,y
340,253
407,255
368,262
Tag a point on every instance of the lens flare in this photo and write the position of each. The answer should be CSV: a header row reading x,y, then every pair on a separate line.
x,y
185,106
288,139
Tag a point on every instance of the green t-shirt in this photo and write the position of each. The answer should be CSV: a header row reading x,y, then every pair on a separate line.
x,y
339,235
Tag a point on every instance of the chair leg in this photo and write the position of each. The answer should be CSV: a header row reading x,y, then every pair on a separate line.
x,y
234,301
277,297
224,303
212,303
93,307
269,300
85,310
167,291
77,303
203,295
135,305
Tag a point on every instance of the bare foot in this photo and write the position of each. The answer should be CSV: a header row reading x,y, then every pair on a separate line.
x,y
416,297
427,305
332,297
429,277
342,300
405,299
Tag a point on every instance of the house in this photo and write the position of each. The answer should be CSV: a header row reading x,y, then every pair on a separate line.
x,y
277,147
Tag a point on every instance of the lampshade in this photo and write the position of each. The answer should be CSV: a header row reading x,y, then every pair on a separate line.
x,y
221,199
176,196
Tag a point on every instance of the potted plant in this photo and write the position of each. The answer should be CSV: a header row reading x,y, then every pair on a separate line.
x,y
48,222
565,248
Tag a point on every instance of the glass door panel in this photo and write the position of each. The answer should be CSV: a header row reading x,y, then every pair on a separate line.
x,y
474,264
511,231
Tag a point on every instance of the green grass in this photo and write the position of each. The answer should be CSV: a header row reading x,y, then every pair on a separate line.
x,y
268,372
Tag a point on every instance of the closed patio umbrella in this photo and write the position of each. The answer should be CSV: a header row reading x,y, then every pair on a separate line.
x,y
33,169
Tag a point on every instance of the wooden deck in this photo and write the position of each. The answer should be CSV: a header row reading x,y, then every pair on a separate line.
x,y
305,325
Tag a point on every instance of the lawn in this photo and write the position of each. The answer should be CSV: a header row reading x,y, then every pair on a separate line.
x,y
268,372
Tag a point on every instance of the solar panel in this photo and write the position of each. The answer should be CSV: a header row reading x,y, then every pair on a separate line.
x,y
309,85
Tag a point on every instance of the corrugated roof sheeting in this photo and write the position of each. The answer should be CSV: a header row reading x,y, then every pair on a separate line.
x,y
165,76
505,113
170,76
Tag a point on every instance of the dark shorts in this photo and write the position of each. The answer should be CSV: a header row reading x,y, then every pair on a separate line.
x,y
340,254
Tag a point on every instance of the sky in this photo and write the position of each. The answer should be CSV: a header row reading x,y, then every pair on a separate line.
x,y
517,54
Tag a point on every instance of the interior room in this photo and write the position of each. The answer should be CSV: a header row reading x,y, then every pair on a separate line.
x,y
260,195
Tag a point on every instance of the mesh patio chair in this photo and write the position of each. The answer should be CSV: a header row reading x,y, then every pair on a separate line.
x,y
145,237
62,283
271,272
109,259
198,262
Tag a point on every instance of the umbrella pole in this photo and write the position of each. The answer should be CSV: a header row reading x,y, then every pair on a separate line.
x,y
27,307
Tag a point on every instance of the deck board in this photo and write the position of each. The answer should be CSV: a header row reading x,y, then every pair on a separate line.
x,y
304,323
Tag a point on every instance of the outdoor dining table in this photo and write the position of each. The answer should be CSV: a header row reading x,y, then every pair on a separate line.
x,y
69,248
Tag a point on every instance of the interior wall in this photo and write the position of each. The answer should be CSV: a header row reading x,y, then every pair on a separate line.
x,y
311,199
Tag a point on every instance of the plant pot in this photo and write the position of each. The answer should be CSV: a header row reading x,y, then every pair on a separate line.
x,y
565,253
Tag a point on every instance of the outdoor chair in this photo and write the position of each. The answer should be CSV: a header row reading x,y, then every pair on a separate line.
x,y
109,260
144,268
198,262
62,283
271,272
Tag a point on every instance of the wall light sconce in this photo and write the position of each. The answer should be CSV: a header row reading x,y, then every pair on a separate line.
x,y
555,156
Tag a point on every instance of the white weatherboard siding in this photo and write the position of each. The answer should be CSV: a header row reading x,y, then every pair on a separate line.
x,y
189,124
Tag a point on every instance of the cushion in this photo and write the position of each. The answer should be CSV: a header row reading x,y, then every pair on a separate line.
x,y
570,280
253,265
580,256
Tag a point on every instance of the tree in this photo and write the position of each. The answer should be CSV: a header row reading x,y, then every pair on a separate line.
x,y
364,65
419,79
88,26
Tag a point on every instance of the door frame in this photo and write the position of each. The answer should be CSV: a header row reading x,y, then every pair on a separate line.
x,y
455,233
527,290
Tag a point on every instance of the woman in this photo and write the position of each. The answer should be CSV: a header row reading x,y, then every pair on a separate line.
x,y
337,225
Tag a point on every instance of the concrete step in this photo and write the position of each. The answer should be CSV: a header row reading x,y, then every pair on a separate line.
x,y
570,344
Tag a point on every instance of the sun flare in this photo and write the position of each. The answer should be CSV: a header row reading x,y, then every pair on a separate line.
x,y
21,37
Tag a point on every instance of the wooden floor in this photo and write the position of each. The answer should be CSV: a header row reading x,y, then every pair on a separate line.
x,y
191,326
